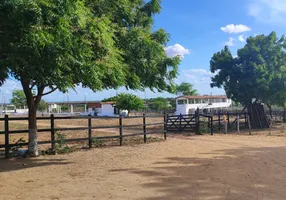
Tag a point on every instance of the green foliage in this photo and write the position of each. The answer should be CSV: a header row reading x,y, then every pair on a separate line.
x,y
159,104
97,142
64,107
258,71
99,44
61,146
129,102
18,98
110,99
186,89
43,106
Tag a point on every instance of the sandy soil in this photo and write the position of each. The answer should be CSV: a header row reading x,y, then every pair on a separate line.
x,y
217,167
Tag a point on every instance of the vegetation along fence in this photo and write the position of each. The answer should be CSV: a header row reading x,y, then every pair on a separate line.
x,y
89,136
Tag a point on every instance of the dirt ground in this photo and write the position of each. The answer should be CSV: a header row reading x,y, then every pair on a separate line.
x,y
206,167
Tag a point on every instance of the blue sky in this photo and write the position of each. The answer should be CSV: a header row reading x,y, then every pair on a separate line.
x,y
198,29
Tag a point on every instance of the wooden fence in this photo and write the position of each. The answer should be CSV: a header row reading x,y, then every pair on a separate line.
x,y
233,119
190,122
89,137
213,122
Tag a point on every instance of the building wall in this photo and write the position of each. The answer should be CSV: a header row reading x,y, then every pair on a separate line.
x,y
106,110
191,108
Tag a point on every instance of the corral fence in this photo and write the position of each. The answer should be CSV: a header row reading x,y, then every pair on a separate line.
x,y
89,135
219,122
190,123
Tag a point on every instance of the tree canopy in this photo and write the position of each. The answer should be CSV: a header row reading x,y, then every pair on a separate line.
x,y
55,45
129,102
258,71
18,99
186,89
43,106
159,104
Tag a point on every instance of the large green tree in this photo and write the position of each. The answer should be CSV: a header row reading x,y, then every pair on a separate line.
x,y
19,99
186,89
160,104
43,106
53,45
129,102
253,75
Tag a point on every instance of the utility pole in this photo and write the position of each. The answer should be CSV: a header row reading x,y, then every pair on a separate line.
x,y
84,103
2,104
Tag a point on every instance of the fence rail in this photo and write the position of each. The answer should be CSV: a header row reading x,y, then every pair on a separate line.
x,y
7,132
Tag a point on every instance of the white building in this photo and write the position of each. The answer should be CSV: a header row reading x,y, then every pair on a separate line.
x,y
105,109
189,104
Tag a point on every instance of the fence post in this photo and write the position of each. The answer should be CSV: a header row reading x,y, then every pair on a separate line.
x,y
238,125
180,125
249,126
227,119
144,128
212,130
7,146
165,126
53,133
219,124
120,130
89,132
245,120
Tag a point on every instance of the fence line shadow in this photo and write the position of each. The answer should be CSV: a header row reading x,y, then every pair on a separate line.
x,y
15,164
244,173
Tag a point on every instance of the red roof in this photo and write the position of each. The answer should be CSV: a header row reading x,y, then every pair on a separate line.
x,y
108,102
204,97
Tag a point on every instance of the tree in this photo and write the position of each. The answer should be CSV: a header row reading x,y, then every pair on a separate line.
x,y
160,104
43,106
129,102
186,89
252,75
56,45
109,99
19,99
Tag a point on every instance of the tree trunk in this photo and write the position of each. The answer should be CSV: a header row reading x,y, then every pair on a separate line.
x,y
32,102
284,115
257,116
270,110
33,139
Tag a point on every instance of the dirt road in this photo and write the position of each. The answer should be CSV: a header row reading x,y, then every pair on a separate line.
x,y
199,167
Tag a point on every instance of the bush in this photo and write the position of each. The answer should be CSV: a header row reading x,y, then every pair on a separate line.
x,y
97,142
61,146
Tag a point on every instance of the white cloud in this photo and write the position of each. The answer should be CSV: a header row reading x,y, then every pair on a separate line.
x,y
230,42
242,38
268,11
177,50
201,72
231,28
7,88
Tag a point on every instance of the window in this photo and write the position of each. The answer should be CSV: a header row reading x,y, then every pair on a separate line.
x,y
191,101
224,100
204,100
182,101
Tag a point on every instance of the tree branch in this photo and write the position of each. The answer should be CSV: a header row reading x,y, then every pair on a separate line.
x,y
32,85
54,89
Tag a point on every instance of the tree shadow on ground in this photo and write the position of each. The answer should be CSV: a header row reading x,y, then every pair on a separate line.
x,y
243,173
14,164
